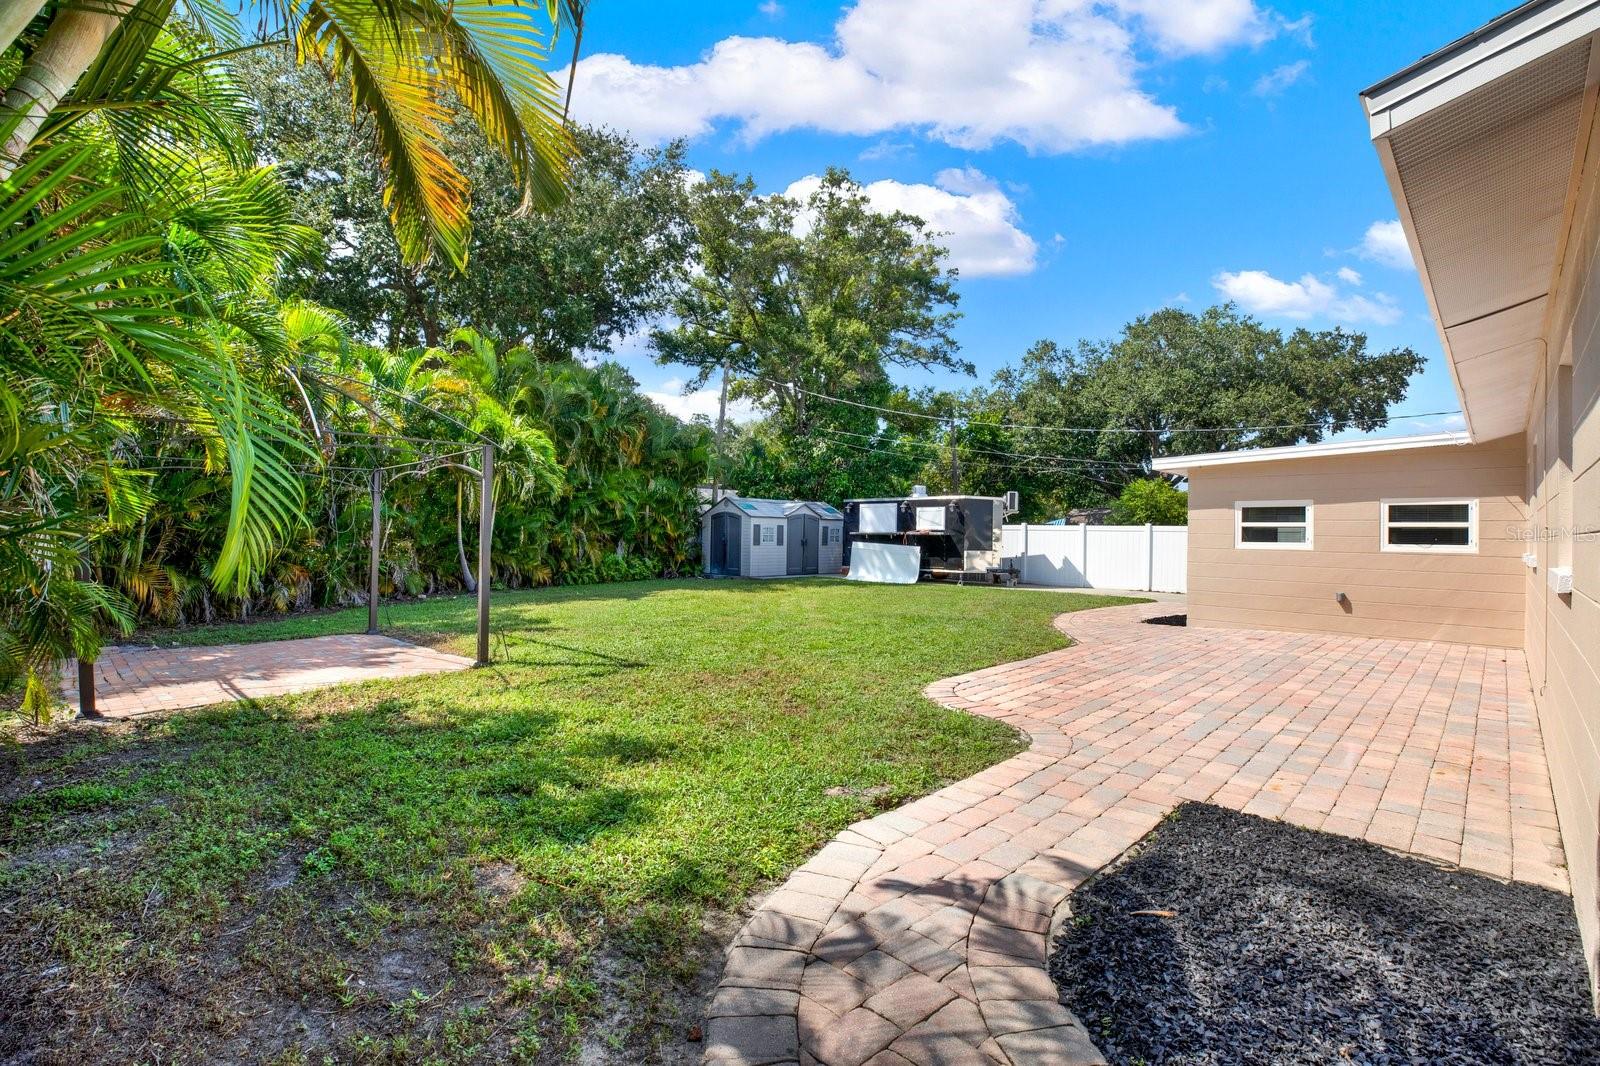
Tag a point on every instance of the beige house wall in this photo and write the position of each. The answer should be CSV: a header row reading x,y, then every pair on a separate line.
x,y
1473,598
1563,631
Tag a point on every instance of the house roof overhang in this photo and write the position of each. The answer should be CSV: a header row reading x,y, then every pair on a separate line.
x,y
1183,464
1483,144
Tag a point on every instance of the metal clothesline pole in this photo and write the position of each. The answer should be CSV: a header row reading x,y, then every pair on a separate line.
x,y
377,547
485,540
86,703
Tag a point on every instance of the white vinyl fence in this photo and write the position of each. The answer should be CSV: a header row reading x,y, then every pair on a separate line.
x,y
1142,558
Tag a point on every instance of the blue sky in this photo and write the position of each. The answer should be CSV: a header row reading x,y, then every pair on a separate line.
x,y
1091,161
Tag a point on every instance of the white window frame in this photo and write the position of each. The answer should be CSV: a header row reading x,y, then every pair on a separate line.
x,y
930,517
1239,524
1469,548
879,517
769,533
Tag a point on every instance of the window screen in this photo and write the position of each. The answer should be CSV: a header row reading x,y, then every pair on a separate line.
x,y
769,534
1273,534
1268,525
1429,525
1273,514
1430,512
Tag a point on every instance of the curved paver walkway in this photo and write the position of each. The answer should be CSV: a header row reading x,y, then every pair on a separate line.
x,y
919,936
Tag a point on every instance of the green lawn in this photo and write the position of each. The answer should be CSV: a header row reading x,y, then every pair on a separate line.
x,y
513,862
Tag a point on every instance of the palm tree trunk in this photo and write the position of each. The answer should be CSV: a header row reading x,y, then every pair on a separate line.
x,y
461,549
15,18
71,43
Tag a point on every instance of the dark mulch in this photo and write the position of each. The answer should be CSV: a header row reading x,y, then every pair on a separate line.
x,y
1168,620
1289,946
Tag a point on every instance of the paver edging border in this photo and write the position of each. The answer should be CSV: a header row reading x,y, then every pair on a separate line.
x,y
1053,1033
756,1017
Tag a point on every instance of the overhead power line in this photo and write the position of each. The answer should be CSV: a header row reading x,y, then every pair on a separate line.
x,y
1070,459
1083,429
1034,467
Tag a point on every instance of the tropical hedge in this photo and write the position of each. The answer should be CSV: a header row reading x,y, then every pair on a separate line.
x,y
179,439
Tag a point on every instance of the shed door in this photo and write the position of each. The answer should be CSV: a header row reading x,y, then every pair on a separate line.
x,y
724,544
803,537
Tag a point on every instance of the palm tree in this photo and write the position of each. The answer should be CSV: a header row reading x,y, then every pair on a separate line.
x,y
117,310
402,59
137,248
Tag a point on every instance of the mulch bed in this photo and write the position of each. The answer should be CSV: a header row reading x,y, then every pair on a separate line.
x,y
1274,944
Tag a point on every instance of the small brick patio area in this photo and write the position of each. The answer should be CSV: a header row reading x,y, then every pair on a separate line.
x,y
131,681
918,937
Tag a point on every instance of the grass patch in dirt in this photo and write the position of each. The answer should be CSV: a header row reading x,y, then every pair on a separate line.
x,y
1227,938
531,862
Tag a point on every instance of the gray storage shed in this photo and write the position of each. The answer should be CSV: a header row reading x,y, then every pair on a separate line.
x,y
771,538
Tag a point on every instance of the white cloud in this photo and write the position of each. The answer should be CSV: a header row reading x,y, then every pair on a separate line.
x,y
1385,242
630,348
887,149
1278,79
1050,75
1439,424
1299,29
670,397
975,220
1192,26
772,9
1349,276
1259,293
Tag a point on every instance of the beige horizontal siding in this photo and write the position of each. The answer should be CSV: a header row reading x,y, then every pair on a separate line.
x,y
1564,631
1474,598
1442,572
1227,618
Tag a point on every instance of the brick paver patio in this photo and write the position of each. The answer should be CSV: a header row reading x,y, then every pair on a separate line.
x,y
919,937
131,681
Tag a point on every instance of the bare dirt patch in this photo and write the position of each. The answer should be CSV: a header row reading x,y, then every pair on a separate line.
x,y
647,1014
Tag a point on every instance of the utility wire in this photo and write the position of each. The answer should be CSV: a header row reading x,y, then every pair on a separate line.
x,y
1082,429
1036,463
1024,466
1073,459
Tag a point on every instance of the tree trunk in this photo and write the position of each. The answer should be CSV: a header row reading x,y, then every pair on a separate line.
x,y
722,422
71,43
461,549
15,18
411,286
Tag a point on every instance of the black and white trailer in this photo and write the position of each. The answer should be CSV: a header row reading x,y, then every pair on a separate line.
x,y
956,537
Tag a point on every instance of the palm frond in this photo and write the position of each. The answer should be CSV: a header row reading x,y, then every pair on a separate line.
x,y
157,96
387,63
494,60
70,286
